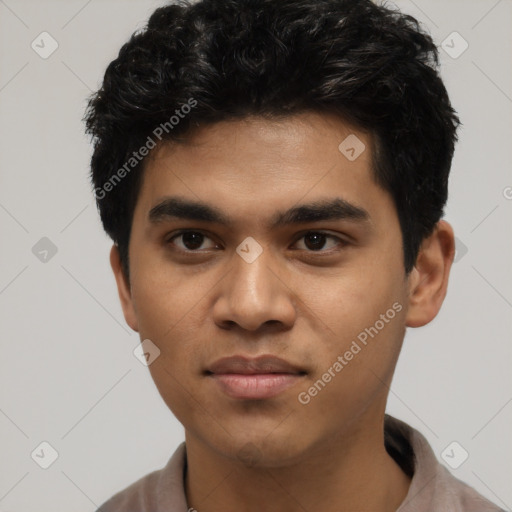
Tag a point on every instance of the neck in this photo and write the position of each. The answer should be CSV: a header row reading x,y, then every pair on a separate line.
x,y
351,472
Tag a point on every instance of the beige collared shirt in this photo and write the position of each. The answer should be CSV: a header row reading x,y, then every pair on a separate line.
x,y
433,488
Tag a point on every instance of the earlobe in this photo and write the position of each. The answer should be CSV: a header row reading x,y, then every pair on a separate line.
x,y
428,281
123,289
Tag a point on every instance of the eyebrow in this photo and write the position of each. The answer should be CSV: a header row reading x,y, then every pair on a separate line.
x,y
317,211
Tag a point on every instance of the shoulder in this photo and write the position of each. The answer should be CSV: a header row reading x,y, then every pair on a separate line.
x,y
139,495
159,490
459,496
432,487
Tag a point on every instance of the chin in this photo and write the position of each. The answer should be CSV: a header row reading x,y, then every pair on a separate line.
x,y
262,450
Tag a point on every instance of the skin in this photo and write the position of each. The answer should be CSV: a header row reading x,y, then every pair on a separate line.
x,y
277,454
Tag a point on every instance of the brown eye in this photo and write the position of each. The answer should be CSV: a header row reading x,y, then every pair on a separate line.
x,y
316,241
190,240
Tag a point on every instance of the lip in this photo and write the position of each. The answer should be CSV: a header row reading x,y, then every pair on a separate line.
x,y
254,378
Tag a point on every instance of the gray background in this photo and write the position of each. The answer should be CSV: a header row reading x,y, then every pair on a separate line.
x,y
68,373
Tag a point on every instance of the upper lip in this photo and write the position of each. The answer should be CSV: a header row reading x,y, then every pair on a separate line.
x,y
252,366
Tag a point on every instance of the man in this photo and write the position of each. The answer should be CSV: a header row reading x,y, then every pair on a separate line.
x,y
273,175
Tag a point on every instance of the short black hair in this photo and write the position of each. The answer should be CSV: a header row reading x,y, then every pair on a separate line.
x,y
212,60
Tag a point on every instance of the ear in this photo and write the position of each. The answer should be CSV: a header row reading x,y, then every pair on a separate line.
x,y
428,280
123,288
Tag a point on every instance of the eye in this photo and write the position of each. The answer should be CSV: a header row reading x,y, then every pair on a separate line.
x,y
314,241
191,240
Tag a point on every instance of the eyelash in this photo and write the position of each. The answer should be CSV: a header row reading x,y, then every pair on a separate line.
x,y
342,242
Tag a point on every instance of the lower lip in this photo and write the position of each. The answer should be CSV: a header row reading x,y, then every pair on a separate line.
x,y
258,386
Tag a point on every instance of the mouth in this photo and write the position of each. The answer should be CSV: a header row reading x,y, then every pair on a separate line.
x,y
254,378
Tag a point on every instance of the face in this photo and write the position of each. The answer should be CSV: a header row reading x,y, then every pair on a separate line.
x,y
291,251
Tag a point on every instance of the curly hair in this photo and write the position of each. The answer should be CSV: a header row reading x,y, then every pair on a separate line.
x,y
372,65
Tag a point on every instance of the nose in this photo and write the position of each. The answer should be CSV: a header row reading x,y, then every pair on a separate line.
x,y
255,296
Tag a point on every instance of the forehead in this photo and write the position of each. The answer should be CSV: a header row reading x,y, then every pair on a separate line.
x,y
255,166
294,140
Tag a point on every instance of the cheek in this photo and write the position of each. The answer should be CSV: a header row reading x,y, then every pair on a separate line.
x,y
157,310
358,364
167,308
172,309
162,295
365,315
349,301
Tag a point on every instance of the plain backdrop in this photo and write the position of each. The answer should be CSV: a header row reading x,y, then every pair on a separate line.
x,y
68,373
